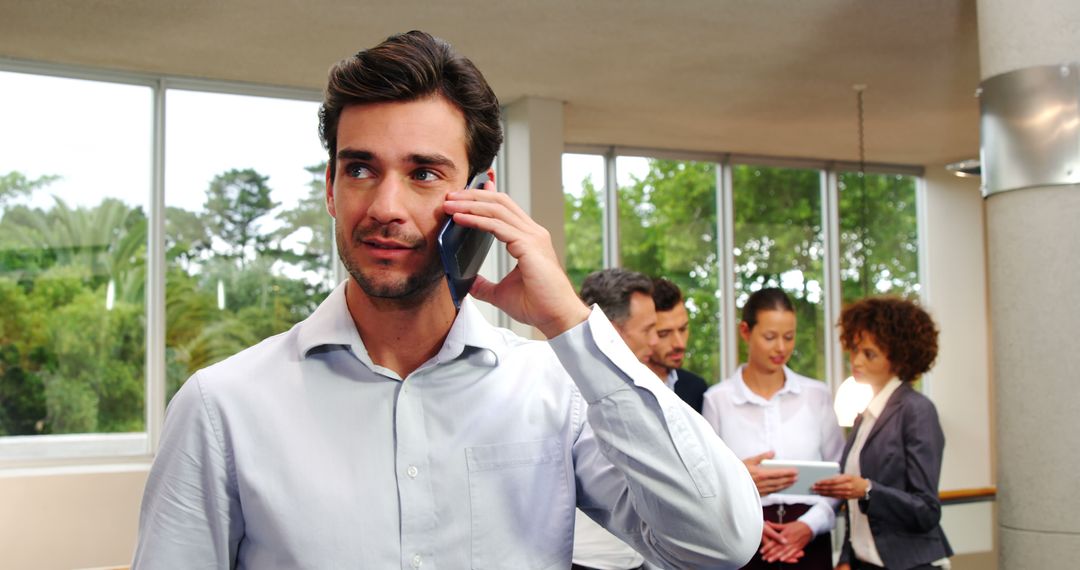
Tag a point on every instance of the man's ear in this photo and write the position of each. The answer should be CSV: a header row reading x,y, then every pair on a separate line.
x,y
491,174
330,190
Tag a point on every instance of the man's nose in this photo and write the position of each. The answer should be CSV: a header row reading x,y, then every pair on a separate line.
x,y
387,204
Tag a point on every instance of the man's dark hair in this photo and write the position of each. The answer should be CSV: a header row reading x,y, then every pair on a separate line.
x,y
665,294
612,288
408,67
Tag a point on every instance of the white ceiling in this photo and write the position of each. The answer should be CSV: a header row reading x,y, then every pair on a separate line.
x,y
771,77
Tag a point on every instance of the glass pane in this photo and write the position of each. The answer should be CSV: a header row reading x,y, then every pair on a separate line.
x,y
75,162
779,242
879,246
248,238
583,214
667,228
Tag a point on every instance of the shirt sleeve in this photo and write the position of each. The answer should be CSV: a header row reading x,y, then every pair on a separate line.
x,y
648,467
821,517
190,515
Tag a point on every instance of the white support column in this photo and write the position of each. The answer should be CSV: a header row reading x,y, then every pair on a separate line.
x,y
1034,273
532,177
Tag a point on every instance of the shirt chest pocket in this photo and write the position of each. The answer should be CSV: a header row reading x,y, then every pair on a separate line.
x,y
522,510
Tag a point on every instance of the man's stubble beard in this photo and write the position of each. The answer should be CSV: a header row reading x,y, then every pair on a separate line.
x,y
411,289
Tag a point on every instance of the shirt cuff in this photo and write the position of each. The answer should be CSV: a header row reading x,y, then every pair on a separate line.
x,y
580,347
819,518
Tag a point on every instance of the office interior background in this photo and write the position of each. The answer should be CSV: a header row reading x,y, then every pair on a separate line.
x,y
161,199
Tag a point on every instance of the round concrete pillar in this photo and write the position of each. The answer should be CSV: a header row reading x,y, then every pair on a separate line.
x,y
1033,232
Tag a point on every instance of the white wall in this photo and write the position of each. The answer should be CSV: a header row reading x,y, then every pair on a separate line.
x,y
959,384
62,518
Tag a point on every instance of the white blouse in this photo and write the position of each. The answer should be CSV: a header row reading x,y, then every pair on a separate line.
x,y
797,423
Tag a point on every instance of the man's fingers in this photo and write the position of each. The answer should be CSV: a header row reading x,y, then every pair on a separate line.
x,y
472,201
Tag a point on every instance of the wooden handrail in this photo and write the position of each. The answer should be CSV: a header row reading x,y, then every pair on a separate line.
x,y
977,494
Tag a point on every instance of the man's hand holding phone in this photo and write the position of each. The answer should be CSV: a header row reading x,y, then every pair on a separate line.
x,y
537,291
463,250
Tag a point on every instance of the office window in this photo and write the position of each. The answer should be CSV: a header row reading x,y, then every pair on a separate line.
x,y
667,228
779,242
75,179
248,238
879,245
583,215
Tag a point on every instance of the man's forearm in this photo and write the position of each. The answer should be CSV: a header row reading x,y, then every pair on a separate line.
x,y
694,499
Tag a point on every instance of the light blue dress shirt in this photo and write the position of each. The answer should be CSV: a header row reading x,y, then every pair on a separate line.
x,y
300,452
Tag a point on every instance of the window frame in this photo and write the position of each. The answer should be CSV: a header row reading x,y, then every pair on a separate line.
x,y
829,171
31,451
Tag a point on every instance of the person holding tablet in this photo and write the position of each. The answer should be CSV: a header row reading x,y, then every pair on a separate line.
x,y
766,410
892,461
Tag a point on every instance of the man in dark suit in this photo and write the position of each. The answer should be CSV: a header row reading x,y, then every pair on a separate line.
x,y
673,330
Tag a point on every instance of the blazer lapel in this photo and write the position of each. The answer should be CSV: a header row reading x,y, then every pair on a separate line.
x,y
891,407
850,441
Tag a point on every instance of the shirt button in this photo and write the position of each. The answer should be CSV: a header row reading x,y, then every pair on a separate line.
x,y
417,560
412,471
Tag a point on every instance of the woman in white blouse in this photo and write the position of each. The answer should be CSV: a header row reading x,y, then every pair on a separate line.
x,y
767,410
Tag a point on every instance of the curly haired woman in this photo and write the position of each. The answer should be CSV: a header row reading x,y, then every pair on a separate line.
x,y
892,461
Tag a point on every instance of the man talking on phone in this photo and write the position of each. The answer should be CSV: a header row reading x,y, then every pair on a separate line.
x,y
391,430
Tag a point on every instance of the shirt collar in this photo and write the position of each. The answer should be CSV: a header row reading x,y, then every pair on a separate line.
x,y
743,393
876,405
672,377
331,325
471,329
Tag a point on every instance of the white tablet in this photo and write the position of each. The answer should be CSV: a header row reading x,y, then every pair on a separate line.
x,y
810,472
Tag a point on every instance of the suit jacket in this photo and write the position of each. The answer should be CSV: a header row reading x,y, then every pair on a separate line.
x,y
902,457
691,388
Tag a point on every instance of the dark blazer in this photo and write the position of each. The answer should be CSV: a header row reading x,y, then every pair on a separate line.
x,y
902,458
691,388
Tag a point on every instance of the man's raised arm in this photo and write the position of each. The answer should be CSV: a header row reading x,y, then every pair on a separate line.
x,y
648,467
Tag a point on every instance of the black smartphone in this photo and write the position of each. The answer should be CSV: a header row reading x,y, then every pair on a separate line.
x,y
463,250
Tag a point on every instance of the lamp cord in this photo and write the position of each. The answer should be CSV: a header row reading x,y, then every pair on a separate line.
x,y
863,214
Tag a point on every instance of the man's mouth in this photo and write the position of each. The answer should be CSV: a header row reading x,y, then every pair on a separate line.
x,y
387,244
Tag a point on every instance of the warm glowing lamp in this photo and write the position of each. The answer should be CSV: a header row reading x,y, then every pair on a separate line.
x,y
851,399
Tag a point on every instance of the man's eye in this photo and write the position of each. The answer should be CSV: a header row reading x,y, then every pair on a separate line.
x,y
357,171
425,175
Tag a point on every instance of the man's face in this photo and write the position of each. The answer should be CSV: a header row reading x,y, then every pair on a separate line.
x,y
673,331
395,163
639,329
